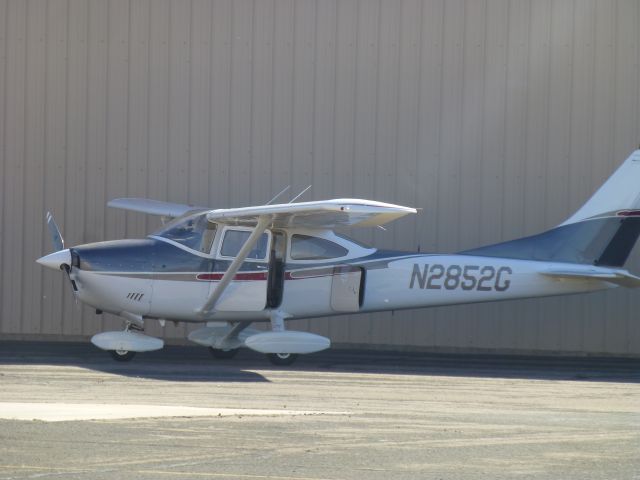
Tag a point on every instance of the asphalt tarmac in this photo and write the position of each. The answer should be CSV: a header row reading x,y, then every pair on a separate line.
x,y
68,411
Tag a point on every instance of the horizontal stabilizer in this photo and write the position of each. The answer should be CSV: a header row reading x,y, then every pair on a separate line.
x,y
320,214
153,207
617,277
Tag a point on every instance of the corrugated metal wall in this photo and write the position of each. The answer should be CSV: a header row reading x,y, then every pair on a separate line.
x,y
497,117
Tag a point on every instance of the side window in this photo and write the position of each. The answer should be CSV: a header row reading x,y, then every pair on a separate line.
x,y
235,239
305,247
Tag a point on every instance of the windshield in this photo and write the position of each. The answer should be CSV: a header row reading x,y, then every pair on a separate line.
x,y
194,232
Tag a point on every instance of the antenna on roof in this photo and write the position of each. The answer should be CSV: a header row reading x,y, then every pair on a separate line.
x,y
283,190
299,195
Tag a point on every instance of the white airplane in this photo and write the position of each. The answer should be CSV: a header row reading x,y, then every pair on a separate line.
x,y
228,268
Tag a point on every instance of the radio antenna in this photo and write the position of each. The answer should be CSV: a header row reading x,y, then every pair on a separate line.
x,y
283,190
299,195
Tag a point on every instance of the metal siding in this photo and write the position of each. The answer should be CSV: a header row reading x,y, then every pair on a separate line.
x,y
497,117
34,240
76,143
4,49
14,154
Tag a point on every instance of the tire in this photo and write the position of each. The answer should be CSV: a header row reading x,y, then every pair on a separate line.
x,y
221,354
282,359
122,355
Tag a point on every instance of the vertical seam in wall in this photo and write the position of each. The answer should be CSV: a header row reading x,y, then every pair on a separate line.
x,y
3,144
314,94
398,68
230,100
355,101
416,181
377,100
168,119
106,123
44,154
84,307
147,185
483,116
335,95
527,123
189,85
127,140
273,95
25,160
571,106
252,49
439,133
293,91
210,104
505,113
66,169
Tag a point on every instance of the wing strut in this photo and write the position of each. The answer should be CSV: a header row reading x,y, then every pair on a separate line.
x,y
261,226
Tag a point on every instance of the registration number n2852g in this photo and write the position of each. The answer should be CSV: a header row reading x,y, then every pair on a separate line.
x,y
468,277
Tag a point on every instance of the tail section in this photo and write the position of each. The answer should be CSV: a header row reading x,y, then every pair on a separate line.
x,y
602,232
620,194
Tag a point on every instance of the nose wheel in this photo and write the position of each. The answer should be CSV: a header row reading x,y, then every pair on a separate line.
x,y
282,359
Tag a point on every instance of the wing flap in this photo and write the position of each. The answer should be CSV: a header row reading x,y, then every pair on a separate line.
x,y
617,277
322,214
152,207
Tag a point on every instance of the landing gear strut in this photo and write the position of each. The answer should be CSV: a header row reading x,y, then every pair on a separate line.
x,y
223,353
132,324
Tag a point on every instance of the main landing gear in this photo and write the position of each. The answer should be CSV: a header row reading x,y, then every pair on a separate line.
x,y
282,359
122,355
223,353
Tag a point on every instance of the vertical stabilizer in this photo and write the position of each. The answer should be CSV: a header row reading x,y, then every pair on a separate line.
x,y
619,193
603,232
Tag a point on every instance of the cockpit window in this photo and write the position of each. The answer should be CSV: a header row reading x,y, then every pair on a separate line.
x,y
194,232
235,239
305,247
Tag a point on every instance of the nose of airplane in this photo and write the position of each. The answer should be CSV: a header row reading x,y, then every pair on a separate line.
x,y
56,259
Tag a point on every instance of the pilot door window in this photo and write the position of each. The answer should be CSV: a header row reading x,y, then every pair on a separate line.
x,y
235,239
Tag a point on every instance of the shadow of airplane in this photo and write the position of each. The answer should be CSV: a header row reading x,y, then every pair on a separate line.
x,y
195,364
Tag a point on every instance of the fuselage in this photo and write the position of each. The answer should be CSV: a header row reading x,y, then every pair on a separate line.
x,y
157,278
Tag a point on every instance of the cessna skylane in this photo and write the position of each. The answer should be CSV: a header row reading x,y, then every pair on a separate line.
x,y
228,268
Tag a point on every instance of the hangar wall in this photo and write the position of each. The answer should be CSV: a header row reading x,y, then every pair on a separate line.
x,y
498,118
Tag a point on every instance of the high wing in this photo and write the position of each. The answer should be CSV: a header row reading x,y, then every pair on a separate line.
x,y
153,207
321,214
615,276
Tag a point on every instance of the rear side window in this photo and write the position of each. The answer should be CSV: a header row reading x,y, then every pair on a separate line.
x,y
305,247
235,239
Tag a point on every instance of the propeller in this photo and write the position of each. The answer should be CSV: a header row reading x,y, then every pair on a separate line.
x,y
60,259
56,236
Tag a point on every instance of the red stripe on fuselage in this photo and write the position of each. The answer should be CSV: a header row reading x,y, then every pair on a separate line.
x,y
239,276
629,213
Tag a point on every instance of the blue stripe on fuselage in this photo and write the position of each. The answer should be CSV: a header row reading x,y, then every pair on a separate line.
x,y
150,255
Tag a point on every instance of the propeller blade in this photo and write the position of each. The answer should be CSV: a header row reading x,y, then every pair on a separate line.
x,y
56,237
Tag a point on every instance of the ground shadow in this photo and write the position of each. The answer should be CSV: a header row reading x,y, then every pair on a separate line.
x,y
195,364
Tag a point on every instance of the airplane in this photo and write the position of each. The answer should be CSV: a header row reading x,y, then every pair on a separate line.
x,y
229,268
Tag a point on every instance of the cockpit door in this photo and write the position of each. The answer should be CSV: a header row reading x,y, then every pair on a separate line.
x,y
248,290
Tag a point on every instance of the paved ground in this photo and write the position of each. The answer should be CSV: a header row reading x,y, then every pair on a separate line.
x,y
333,416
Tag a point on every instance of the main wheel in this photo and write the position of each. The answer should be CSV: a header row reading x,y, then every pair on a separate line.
x,y
223,354
122,355
282,359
